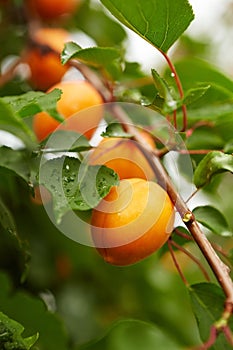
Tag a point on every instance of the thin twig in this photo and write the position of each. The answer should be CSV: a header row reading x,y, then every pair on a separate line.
x,y
193,258
176,262
210,341
182,234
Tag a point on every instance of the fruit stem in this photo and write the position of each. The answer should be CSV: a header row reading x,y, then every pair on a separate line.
x,y
176,262
193,258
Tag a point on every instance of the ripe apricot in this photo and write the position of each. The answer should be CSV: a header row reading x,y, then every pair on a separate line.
x,y
134,220
41,195
45,66
51,9
123,156
77,96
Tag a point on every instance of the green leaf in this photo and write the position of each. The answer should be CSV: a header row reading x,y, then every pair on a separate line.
x,y
161,23
208,304
11,335
6,219
65,140
32,313
192,95
213,219
228,148
15,161
75,186
106,58
213,163
164,100
13,251
205,138
133,334
32,102
10,121
192,71
99,26
115,130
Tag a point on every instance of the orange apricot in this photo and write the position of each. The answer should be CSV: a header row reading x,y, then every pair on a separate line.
x,y
74,105
52,9
134,220
41,195
123,156
45,66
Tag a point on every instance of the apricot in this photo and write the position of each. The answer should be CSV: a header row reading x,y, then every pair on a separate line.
x,y
41,195
134,220
76,99
123,156
45,66
52,9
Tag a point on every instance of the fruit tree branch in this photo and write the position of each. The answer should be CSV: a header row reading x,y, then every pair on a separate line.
x,y
220,270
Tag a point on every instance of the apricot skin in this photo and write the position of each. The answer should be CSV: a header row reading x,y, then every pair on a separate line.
x,y
124,157
45,65
76,99
134,220
51,9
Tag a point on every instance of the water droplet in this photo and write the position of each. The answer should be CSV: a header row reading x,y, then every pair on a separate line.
x,y
172,104
172,75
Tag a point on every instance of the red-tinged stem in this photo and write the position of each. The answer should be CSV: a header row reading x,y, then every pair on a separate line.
x,y
210,341
184,235
179,86
196,151
176,262
192,257
228,334
175,119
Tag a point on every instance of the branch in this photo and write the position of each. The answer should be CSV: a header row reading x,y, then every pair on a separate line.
x,y
220,270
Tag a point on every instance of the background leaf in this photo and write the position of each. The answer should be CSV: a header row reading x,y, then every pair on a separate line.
x,y
159,22
192,70
213,163
66,140
10,121
32,102
15,161
11,335
32,313
213,219
134,335
98,25
208,302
